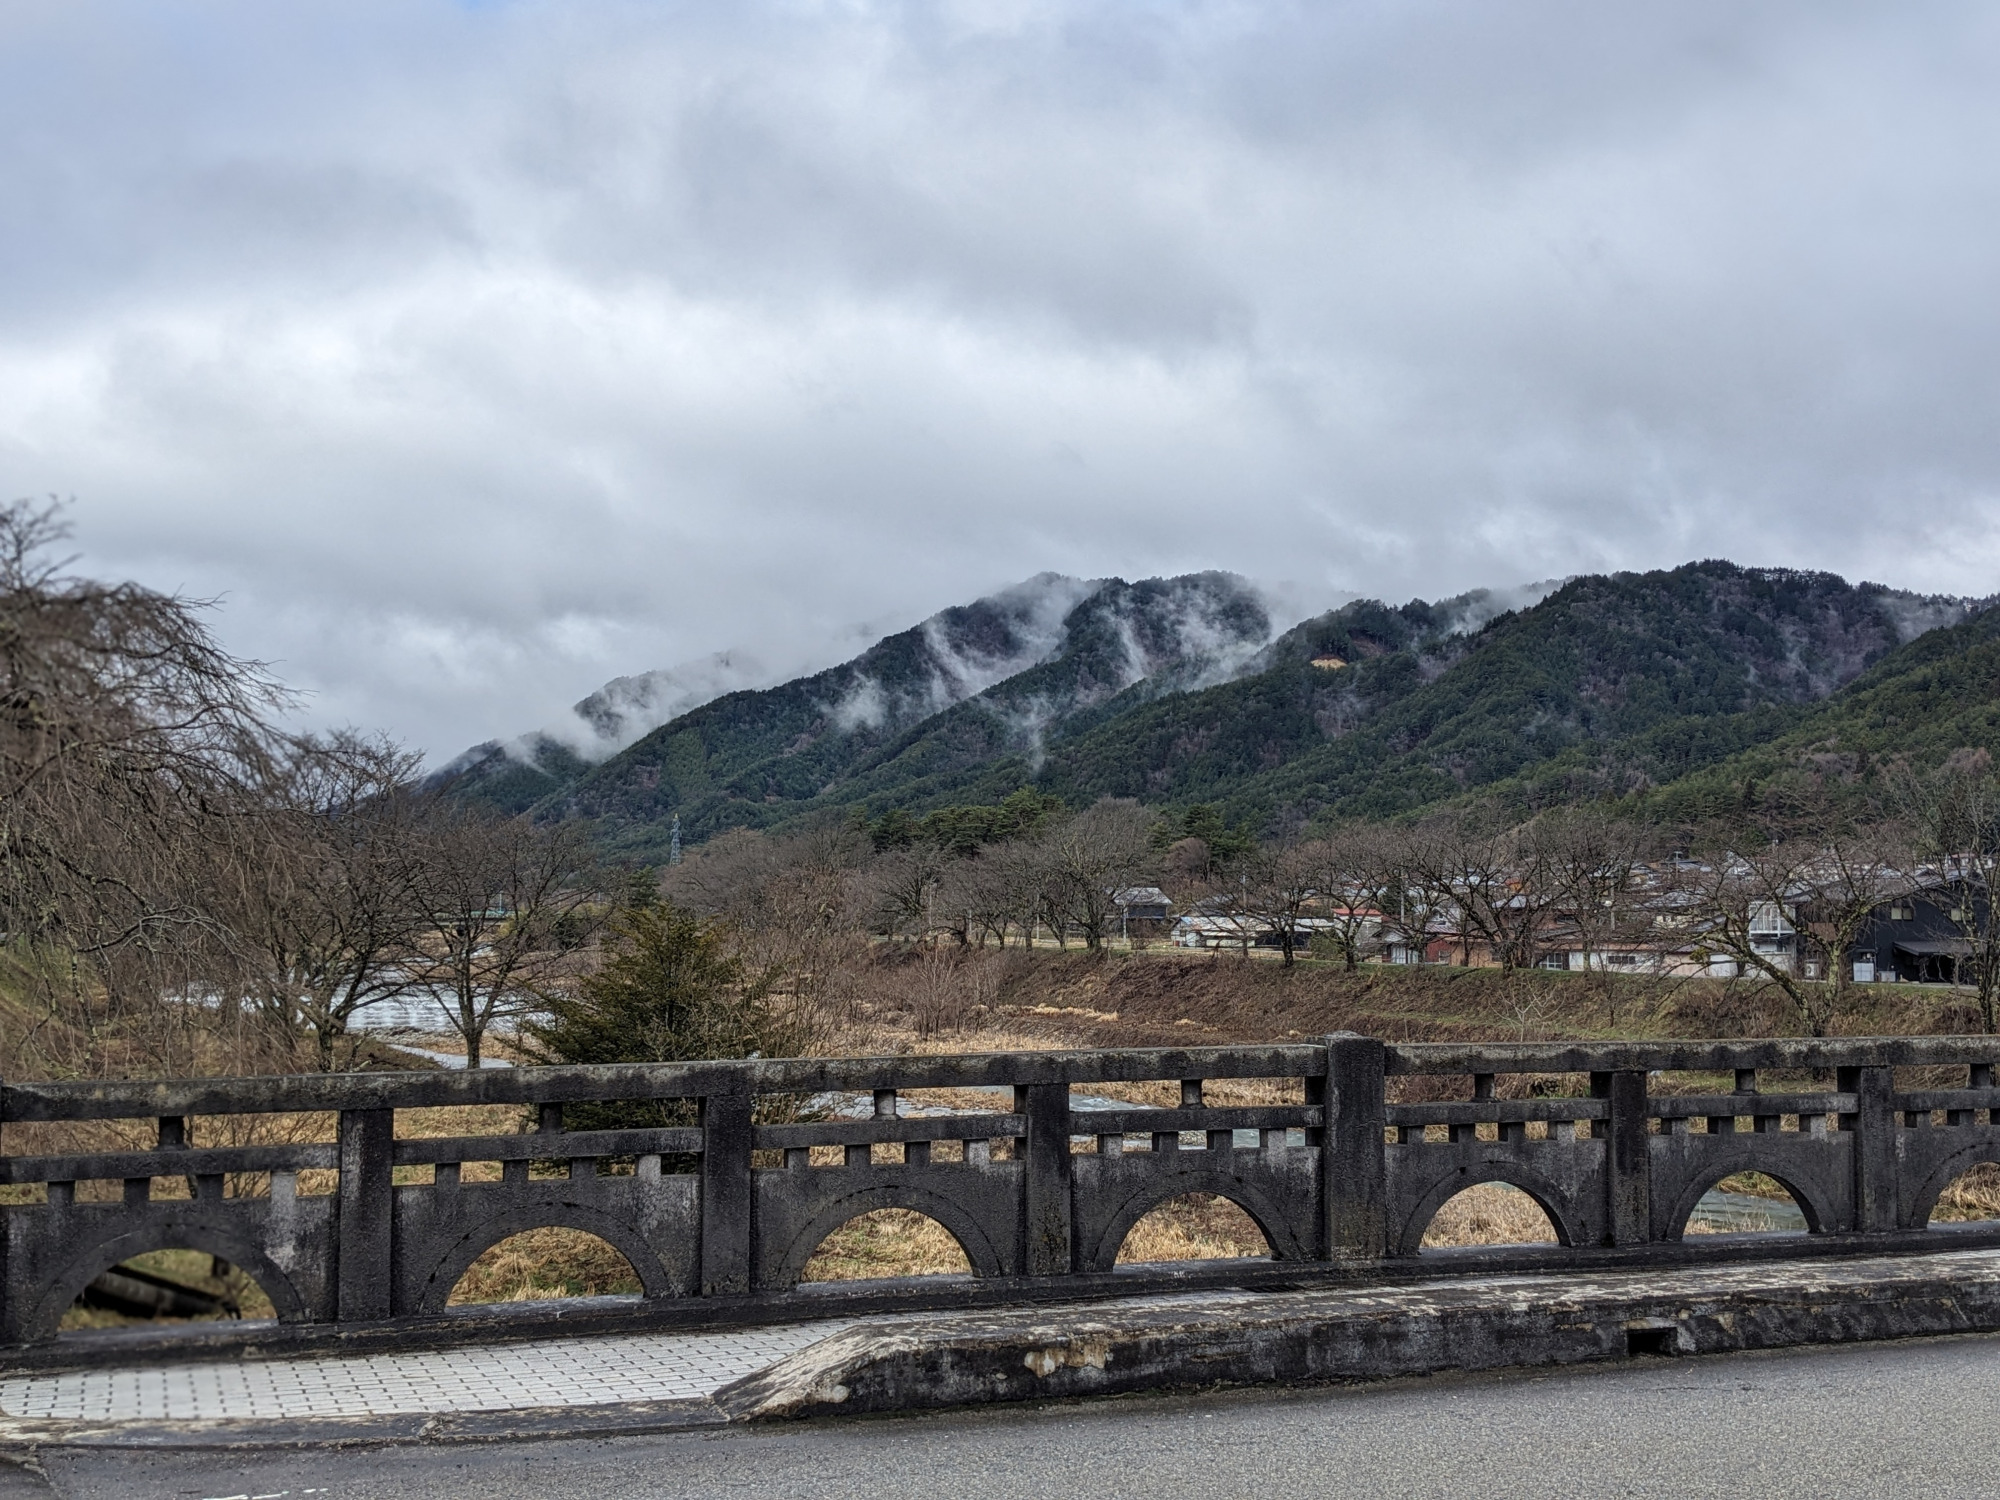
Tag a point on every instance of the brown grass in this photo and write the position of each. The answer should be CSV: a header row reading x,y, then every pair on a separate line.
x,y
1173,997
1971,1195
1489,1213
887,1242
898,1242
542,1263
1195,1226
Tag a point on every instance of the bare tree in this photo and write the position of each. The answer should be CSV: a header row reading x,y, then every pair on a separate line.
x,y
128,744
1849,877
1592,861
907,881
1088,857
1276,895
981,889
1021,877
1768,907
1745,906
1412,906
504,903
1955,814
970,902
1354,871
1498,883
797,906
320,902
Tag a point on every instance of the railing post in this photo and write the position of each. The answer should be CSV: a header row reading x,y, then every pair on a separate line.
x,y
1874,1127
1353,1173
367,1213
1046,1209
1628,1165
725,1194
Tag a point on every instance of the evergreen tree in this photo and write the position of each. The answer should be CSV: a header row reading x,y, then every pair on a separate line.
x,y
671,992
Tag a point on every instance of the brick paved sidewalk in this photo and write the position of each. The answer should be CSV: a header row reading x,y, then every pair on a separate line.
x,y
499,1377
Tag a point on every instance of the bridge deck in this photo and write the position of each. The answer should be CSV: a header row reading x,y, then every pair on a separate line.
x,y
651,1382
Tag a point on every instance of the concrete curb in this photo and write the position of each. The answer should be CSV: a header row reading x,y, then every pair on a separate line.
x,y
1369,1334
1197,1339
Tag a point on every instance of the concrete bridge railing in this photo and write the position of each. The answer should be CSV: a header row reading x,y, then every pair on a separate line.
x,y
718,1216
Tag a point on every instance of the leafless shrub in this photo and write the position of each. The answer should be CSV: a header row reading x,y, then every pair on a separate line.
x,y
937,989
797,906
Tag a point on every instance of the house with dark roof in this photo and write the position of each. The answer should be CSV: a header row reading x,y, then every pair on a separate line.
x,y
1925,938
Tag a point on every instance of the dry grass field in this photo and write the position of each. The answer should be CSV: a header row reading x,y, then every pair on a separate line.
x,y
544,1263
1490,1213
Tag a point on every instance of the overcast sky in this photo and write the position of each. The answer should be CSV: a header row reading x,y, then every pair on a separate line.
x,y
477,353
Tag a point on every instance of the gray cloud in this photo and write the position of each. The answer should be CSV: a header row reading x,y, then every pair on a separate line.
x,y
478,354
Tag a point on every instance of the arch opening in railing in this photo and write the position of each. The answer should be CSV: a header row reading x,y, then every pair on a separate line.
x,y
884,1244
1971,1197
1194,1226
1488,1214
548,1263
1746,1203
168,1287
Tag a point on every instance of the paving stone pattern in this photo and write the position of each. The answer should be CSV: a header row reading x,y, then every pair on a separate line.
x,y
502,1377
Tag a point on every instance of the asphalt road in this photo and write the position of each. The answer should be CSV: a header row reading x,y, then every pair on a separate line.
x,y
1915,1418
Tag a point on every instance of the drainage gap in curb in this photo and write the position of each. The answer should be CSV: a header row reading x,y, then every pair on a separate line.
x,y
1659,1341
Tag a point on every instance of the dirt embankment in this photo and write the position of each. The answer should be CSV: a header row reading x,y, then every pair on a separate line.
x,y
1160,999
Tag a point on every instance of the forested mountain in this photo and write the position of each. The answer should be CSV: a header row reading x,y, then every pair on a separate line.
x,y
1673,686
918,714
1937,696
1674,668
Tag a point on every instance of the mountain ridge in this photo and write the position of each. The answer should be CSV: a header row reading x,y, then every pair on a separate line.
x,y
1182,690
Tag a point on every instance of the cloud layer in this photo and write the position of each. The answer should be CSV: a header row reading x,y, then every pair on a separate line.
x,y
479,353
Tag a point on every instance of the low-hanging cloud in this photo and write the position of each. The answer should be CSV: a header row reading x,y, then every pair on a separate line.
x,y
477,354
963,652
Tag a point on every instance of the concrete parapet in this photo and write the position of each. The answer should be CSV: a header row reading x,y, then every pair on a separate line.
x,y
718,1216
1369,1333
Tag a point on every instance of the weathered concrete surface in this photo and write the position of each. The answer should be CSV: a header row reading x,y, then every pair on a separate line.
x,y
719,1218
1353,1334
1370,1333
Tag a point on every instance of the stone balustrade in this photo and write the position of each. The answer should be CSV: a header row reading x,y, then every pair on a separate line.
x,y
719,1215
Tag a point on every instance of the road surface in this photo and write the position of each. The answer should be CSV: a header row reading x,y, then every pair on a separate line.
x,y
1913,1418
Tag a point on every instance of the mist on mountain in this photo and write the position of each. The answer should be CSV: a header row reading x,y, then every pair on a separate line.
x,y
1190,690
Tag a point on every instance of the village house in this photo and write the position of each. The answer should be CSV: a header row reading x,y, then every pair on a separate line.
x,y
1927,936
1144,911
